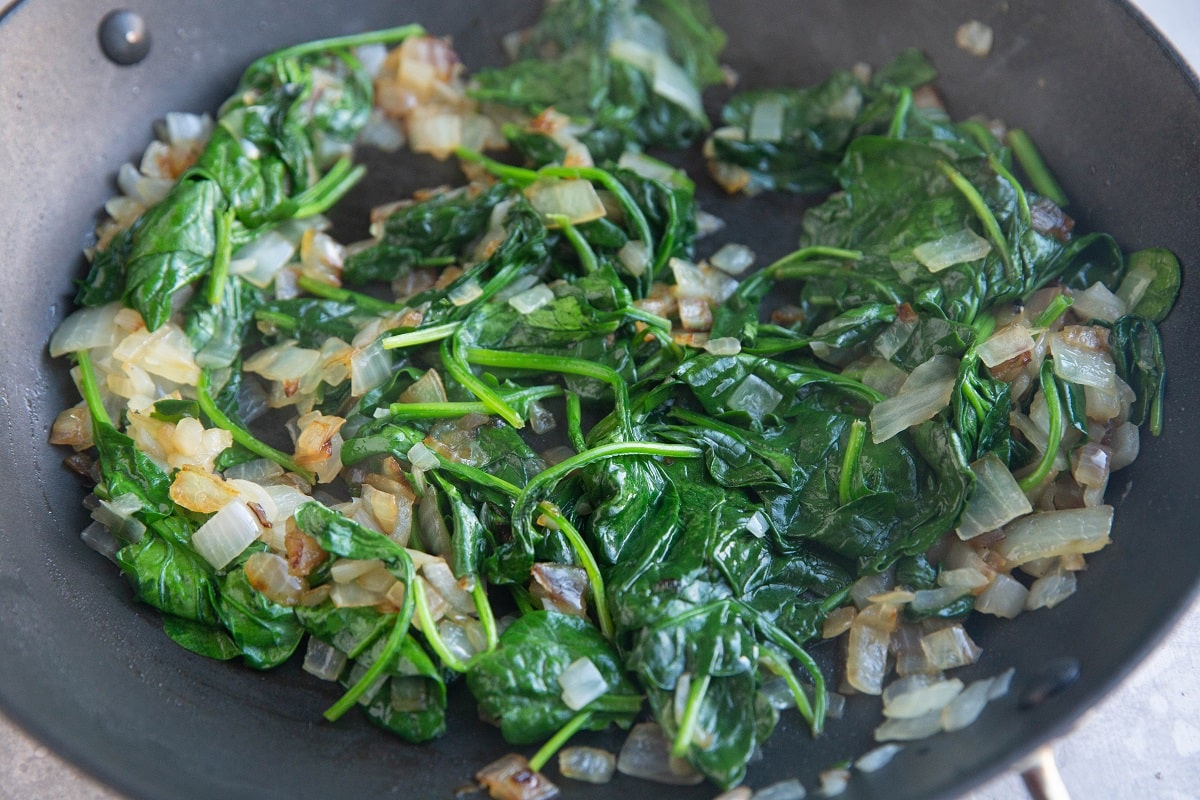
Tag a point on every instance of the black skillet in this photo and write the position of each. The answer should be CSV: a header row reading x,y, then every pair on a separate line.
x,y
91,674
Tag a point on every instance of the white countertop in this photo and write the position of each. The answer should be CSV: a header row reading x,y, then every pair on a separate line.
x,y
1141,742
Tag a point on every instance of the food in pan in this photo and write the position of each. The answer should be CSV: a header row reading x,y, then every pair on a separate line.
x,y
545,432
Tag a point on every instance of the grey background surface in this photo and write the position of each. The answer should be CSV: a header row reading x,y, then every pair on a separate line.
x,y
1143,741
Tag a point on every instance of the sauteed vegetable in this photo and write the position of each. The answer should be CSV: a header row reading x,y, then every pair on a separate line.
x,y
539,434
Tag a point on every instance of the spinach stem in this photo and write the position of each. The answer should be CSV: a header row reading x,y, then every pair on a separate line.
x,y
385,36
241,435
457,367
779,666
1031,161
588,561
90,389
986,218
1054,438
1022,198
487,618
820,702
363,301
434,333
555,742
429,628
575,422
325,193
452,409
1053,311
587,256
903,105
854,446
222,254
691,712
394,641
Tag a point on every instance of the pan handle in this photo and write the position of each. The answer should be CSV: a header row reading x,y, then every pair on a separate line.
x,y
1041,776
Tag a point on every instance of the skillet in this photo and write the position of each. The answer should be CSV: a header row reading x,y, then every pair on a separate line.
x,y
91,674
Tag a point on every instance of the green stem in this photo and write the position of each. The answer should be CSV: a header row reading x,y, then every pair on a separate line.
x,y
363,301
691,712
820,702
1054,437
1031,161
241,435
383,661
986,218
903,105
854,446
587,256
276,319
385,36
769,659
452,409
223,251
518,175
575,423
324,194
1053,311
588,561
486,618
90,389
434,333
1022,198
457,368
555,742
430,631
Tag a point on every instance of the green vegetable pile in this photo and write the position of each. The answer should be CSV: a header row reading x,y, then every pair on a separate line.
x,y
720,500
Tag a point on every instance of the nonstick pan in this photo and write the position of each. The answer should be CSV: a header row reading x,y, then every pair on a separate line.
x,y
89,672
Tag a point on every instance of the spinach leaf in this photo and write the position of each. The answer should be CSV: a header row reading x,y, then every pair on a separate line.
x,y
171,577
265,632
205,640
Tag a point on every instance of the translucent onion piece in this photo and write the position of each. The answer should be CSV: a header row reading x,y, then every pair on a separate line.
x,y
878,758
323,660
960,247
790,789
723,346
442,579
836,705
200,491
422,458
1056,533
652,168
268,574
87,329
352,595
701,282
1008,343
926,392
996,501
733,259
673,84
967,707
1097,302
1125,441
766,120
870,585
931,599
975,38
967,578
695,314
532,299
560,587
866,658
834,781
581,683
774,690
919,697
1078,363
758,524
435,132
370,366
1005,597
911,729
646,754
260,260
838,622
226,534
348,570
949,648
463,643
1001,684
576,200
98,537
634,256
165,352
285,361
1050,590
587,764
756,397
510,778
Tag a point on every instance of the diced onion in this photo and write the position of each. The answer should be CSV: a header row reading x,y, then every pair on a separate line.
x,y
996,501
466,292
576,200
260,260
348,570
323,660
933,599
757,525
581,683
949,648
960,247
966,708
634,257
1005,597
1125,443
1097,302
756,397
878,758
646,754
226,534
286,361
790,789
435,132
269,575
1056,533
532,299
766,119
866,658
833,781
442,579
1079,364
911,729
926,392
87,329
1008,343
870,585
733,259
918,697
587,764
1050,590
510,778
421,457
98,537
370,366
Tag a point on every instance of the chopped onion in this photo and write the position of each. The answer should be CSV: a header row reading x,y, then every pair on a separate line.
x,y
370,366
581,683
1056,533
695,314
532,299
949,648
967,707
226,534
422,458
790,789
463,637
1001,684
98,537
286,361
917,695
348,570
1136,283
634,256
926,392
932,599
1104,404
510,778
435,132
576,200
587,764
975,38
442,579
1079,363
866,657
260,260
464,293
435,536
756,397
673,84
960,247
323,660
1125,443
996,501
733,259
766,119
268,574
910,729
1097,302
652,168
870,585
878,758
87,329
834,781
426,389
1050,590
646,754
1011,341
200,490
352,595
966,577
758,524
838,622
560,587
1005,597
